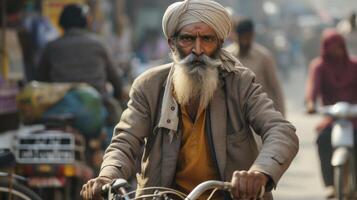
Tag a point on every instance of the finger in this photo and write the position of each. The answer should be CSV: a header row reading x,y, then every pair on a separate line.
x,y
242,188
88,191
84,191
81,192
91,189
96,191
243,184
260,189
250,186
235,185
256,185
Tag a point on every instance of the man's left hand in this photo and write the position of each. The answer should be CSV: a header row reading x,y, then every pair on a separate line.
x,y
247,184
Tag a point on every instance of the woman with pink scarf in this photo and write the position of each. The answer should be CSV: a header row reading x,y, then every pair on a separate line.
x,y
332,78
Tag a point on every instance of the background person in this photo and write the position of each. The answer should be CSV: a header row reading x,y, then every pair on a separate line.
x,y
79,56
257,58
195,115
332,78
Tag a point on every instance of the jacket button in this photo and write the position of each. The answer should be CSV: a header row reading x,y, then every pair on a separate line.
x,y
172,108
168,121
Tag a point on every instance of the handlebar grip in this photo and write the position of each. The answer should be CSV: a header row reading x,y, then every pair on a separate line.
x,y
115,185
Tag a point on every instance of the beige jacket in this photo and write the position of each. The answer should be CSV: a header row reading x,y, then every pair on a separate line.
x,y
238,104
262,63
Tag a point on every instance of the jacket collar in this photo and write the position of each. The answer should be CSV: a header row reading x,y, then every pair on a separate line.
x,y
169,111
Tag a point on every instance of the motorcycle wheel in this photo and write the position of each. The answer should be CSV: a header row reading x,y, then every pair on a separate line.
x,y
18,191
343,182
339,182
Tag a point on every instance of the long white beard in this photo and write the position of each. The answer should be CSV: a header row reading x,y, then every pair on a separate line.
x,y
192,83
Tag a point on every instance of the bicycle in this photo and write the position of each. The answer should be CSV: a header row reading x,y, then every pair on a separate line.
x,y
12,186
117,190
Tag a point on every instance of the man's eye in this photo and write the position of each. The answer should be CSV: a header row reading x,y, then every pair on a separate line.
x,y
209,38
186,38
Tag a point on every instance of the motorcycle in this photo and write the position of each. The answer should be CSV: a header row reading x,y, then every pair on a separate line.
x,y
342,140
53,161
61,146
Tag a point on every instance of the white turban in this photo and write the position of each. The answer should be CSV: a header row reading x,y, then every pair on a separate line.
x,y
182,13
187,12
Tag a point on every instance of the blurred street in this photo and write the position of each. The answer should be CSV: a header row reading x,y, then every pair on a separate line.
x,y
46,54
302,181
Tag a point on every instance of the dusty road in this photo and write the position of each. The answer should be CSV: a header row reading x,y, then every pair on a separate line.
x,y
302,181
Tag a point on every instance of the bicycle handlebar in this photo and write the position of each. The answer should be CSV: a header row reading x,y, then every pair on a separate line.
x,y
202,187
212,184
119,184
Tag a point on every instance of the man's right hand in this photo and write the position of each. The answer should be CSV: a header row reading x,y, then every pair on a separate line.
x,y
92,190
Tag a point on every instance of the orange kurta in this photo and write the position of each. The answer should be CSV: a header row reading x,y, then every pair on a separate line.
x,y
195,164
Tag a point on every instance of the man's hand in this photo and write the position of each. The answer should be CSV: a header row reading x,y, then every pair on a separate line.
x,y
247,184
93,188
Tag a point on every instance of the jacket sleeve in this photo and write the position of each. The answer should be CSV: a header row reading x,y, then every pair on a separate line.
x,y
280,143
129,134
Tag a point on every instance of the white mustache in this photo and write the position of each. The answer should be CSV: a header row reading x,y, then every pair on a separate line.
x,y
192,61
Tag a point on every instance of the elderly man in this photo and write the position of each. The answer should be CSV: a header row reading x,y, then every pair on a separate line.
x,y
195,115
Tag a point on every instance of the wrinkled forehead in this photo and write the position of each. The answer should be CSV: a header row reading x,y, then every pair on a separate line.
x,y
197,28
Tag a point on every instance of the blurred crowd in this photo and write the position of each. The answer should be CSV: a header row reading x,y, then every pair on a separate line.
x,y
285,34
291,30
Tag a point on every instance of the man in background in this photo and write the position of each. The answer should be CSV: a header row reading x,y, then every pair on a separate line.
x,y
79,56
257,58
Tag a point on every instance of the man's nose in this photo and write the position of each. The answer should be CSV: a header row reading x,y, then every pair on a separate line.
x,y
197,50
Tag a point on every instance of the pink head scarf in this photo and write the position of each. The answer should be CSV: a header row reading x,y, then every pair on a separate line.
x,y
339,71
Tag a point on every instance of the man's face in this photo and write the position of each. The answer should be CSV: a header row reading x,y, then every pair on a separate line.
x,y
245,41
196,38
